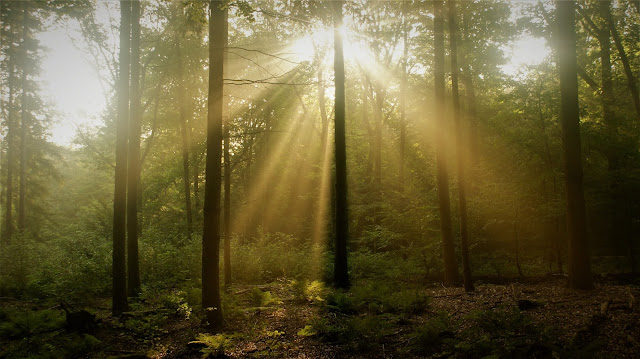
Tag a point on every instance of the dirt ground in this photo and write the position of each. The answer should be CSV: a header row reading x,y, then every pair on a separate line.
x,y
608,313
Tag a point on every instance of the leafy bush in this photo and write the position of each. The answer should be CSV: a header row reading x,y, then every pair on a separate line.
x,y
41,334
271,256
214,345
435,336
262,299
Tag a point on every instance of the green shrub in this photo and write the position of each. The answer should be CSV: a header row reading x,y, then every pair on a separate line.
x,y
262,299
435,336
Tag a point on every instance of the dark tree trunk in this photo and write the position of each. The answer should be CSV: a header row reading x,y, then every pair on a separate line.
x,y
24,121
211,231
341,273
579,262
120,304
133,278
516,242
227,171
448,250
461,148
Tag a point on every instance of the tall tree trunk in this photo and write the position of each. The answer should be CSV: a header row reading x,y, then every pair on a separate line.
x,y
460,150
120,304
186,141
322,103
579,262
341,272
554,234
133,174
469,86
227,168
403,95
446,232
211,231
377,140
24,120
8,214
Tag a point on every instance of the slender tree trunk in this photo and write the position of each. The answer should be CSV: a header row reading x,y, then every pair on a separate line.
x,y
227,169
24,121
377,140
469,86
8,214
133,278
460,151
516,235
120,304
448,250
186,141
211,231
266,187
341,271
403,96
579,261
323,104
555,239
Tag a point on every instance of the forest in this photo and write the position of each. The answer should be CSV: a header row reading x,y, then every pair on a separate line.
x,y
320,179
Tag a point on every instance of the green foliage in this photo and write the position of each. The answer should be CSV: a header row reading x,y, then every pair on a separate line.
x,y
271,256
435,336
148,326
18,324
214,345
263,299
304,291
41,334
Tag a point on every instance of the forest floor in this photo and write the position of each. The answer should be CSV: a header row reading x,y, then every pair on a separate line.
x,y
527,318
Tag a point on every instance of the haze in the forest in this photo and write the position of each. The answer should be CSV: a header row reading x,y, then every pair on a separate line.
x,y
257,178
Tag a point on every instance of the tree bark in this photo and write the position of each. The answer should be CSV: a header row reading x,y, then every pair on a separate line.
x,y
211,231
24,121
227,169
133,278
403,96
579,268
120,304
341,273
460,150
446,232
8,214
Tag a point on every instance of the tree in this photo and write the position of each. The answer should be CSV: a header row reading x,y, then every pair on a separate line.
x,y
227,169
133,268
446,232
24,117
212,191
341,271
120,304
460,148
579,269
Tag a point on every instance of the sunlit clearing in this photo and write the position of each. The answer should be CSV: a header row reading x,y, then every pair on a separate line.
x,y
526,51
